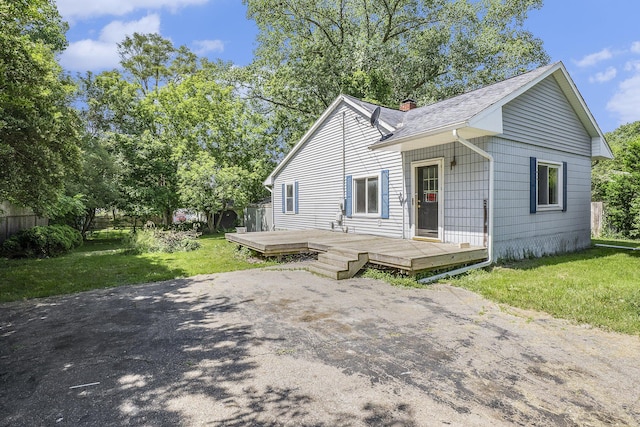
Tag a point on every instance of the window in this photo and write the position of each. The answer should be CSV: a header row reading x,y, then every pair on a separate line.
x,y
368,195
289,198
365,194
549,186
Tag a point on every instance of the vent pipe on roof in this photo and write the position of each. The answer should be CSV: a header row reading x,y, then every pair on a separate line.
x,y
408,104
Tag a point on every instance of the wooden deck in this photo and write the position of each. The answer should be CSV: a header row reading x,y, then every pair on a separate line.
x,y
408,255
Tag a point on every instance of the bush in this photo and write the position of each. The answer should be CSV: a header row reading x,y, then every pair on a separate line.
x,y
42,242
196,226
151,240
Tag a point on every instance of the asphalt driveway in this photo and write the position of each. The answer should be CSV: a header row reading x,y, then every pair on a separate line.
x,y
285,347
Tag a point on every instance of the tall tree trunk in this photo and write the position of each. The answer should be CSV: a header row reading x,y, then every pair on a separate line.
x,y
224,208
90,214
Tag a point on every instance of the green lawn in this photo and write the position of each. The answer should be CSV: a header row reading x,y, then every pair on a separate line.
x,y
599,286
102,262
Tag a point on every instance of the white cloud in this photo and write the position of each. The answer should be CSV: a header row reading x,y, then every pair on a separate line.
x,y
205,46
116,31
635,47
604,76
102,54
73,9
626,102
594,58
632,66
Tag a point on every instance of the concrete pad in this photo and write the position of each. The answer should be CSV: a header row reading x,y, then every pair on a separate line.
x,y
280,347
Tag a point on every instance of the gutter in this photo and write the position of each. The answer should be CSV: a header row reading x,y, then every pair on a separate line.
x,y
489,260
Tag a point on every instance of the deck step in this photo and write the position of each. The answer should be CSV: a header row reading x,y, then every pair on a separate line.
x,y
339,260
339,265
330,271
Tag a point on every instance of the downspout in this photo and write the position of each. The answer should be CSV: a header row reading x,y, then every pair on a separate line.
x,y
489,260
404,196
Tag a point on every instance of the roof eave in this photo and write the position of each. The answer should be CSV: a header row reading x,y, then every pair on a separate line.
x,y
388,127
442,135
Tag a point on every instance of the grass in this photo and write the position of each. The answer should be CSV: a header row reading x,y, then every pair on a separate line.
x,y
392,278
599,286
102,262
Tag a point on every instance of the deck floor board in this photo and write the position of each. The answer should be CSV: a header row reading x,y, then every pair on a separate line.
x,y
409,255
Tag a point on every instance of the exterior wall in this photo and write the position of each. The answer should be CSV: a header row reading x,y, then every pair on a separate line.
x,y
540,123
542,116
466,187
317,167
519,234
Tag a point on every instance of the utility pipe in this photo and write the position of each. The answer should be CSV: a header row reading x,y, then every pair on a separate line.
x,y
489,260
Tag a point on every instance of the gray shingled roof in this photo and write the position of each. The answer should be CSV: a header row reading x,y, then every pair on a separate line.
x,y
452,111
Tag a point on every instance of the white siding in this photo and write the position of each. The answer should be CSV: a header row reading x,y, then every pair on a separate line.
x,y
519,234
466,186
542,116
317,168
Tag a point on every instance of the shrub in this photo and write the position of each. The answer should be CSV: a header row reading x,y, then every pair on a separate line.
x,y
151,240
196,226
42,242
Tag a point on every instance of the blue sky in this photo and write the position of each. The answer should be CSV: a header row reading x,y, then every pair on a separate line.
x,y
598,41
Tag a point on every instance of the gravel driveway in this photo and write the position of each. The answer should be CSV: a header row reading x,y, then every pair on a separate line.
x,y
285,347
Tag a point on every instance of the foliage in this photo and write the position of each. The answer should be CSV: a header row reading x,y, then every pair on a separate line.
x,y
169,241
67,210
383,51
102,262
196,226
617,181
598,286
173,126
392,278
42,242
38,127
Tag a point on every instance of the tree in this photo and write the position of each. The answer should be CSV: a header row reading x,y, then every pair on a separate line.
x,y
38,128
622,192
383,50
174,124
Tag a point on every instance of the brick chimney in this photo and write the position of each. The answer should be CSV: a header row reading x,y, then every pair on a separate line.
x,y
408,104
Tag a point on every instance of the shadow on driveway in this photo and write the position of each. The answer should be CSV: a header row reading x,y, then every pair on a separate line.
x,y
272,348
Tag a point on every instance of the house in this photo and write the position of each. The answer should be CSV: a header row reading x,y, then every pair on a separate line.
x,y
507,166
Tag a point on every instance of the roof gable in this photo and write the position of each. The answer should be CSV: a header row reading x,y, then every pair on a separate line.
x,y
479,113
387,115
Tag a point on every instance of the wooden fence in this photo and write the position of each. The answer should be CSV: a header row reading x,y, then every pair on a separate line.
x,y
14,218
597,217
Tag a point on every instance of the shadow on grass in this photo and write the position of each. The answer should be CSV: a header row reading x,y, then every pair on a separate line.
x,y
97,264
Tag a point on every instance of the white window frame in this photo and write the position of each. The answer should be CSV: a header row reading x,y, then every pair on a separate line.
x,y
560,196
354,202
293,198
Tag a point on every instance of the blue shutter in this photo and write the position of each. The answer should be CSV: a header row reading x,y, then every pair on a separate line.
x,y
295,185
349,192
284,199
564,186
533,197
384,184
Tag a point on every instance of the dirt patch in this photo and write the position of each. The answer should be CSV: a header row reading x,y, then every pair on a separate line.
x,y
279,347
